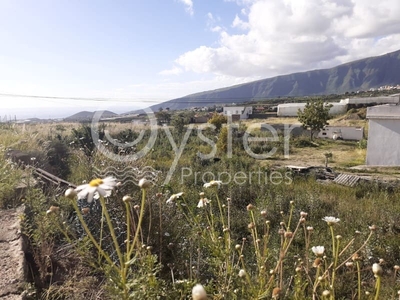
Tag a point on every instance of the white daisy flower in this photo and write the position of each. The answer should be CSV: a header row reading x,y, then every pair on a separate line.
x,y
213,183
174,197
203,202
98,186
331,220
318,250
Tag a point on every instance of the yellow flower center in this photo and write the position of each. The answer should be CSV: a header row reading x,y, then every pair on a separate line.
x,y
96,182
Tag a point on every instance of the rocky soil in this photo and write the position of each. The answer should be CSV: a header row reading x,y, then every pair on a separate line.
x,y
13,267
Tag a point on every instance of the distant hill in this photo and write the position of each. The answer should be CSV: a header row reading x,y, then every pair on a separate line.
x,y
88,116
362,74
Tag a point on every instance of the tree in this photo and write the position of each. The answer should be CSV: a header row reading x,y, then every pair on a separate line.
x,y
314,116
163,117
179,120
217,120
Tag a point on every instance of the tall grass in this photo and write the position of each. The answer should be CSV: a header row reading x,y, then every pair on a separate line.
x,y
250,240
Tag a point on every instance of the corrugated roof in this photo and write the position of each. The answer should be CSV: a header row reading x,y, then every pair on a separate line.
x,y
347,179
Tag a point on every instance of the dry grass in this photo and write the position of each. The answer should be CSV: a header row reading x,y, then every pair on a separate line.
x,y
344,154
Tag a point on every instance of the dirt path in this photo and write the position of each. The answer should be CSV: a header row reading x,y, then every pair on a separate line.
x,y
12,257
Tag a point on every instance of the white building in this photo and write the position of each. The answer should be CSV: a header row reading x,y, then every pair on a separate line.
x,y
392,99
290,109
338,108
383,135
350,133
243,111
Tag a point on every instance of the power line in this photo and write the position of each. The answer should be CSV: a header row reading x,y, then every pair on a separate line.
x,y
184,99
78,98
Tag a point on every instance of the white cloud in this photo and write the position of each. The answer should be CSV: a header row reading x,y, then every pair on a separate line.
x,y
188,6
174,71
216,29
239,23
285,36
211,21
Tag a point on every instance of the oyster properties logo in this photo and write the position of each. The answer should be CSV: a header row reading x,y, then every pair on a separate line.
x,y
247,139
129,174
124,158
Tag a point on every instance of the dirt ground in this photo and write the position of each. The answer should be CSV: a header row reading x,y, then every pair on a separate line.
x,y
12,257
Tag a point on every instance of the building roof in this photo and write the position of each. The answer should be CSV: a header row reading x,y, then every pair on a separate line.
x,y
388,111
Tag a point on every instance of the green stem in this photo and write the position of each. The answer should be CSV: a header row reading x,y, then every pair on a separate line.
x,y
316,282
101,232
220,210
141,214
112,231
92,239
377,287
335,261
122,268
359,280
128,228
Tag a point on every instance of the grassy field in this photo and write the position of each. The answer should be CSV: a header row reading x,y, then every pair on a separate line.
x,y
243,239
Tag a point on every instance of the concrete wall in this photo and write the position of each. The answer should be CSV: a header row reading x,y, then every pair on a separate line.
x,y
383,142
344,132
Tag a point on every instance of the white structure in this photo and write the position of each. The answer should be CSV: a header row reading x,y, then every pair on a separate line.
x,y
243,111
393,99
342,132
290,109
338,108
383,135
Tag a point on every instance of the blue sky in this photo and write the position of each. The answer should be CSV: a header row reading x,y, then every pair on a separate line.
x,y
147,51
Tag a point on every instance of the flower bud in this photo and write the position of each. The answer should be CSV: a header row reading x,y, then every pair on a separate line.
x,y
144,183
288,234
317,262
199,293
250,207
326,293
127,198
276,292
70,193
242,273
377,269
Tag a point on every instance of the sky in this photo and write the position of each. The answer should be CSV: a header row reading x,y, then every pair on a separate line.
x,y
121,55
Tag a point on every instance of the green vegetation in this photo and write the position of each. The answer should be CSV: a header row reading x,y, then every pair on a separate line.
x,y
218,120
256,234
314,116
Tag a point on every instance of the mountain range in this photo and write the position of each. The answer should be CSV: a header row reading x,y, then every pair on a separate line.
x,y
362,74
88,116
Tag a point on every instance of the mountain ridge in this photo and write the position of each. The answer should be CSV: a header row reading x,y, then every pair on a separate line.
x,y
361,74
88,115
